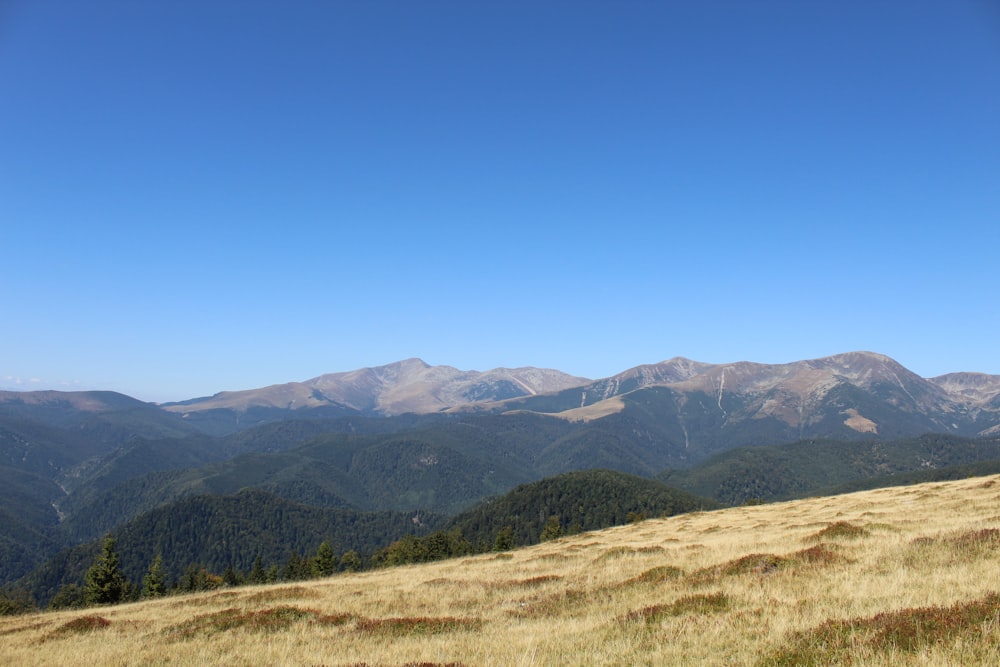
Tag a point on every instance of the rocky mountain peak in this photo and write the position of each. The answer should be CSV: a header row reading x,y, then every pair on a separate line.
x,y
976,387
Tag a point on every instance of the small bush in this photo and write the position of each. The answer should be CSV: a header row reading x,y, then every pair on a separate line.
x,y
988,538
908,630
820,554
563,603
752,564
614,554
424,625
657,575
86,624
537,581
841,530
284,593
273,619
80,625
690,604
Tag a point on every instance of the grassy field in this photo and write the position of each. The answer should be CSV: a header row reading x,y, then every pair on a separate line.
x,y
901,576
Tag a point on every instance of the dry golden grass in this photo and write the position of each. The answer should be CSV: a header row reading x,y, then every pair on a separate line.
x,y
905,576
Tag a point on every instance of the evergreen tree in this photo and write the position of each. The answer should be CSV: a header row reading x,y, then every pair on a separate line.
x,y
504,540
192,580
69,596
231,577
257,574
297,568
16,601
153,585
325,562
350,561
105,583
552,529
198,578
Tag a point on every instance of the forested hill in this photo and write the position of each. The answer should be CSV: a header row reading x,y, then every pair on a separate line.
x,y
571,503
252,527
809,467
232,531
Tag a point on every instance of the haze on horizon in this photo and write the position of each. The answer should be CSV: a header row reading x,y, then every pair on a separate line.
x,y
202,196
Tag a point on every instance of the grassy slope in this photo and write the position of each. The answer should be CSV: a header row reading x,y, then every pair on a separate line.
x,y
905,575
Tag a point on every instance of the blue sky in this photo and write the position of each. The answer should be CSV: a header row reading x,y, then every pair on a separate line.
x,y
198,196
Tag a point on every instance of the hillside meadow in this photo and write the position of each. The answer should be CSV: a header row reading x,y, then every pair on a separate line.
x,y
899,576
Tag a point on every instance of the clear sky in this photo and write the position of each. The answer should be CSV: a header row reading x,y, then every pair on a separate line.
x,y
201,195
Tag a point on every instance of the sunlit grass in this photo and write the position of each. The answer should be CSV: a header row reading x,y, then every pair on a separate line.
x,y
895,576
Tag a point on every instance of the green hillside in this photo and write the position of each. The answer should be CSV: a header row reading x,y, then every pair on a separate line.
x,y
573,502
809,467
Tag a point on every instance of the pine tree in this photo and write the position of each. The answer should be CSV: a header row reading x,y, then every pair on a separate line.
x,y
504,540
325,562
16,601
153,585
231,577
552,529
105,583
350,561
297,568
257,574
69,596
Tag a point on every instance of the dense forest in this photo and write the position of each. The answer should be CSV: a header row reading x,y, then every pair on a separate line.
x,y
254,536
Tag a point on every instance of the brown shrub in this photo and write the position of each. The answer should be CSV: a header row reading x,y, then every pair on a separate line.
x,y
711,603
657,575
23,628
821,554
976,539
907,630
564,603
614,553
80,625
841,530
439,581
753,564
548,557
273,619
411,625
651,549
285,593
537,581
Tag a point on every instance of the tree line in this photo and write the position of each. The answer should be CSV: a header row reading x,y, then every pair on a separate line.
x,y
548,509
105,583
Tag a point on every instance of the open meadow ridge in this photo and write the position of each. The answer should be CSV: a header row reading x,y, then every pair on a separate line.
x,y
905,575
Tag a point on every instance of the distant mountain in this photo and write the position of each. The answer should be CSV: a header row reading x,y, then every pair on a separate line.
x,y
409,386
846,395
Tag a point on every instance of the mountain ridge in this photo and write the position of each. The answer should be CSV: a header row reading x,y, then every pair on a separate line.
x,y
409,385
799,393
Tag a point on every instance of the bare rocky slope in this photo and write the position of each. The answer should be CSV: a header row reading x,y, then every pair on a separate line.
x,y
410,385
860,393
864,391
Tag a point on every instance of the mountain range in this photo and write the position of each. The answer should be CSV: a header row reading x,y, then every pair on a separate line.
x,y
408,386
410,440
866,392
